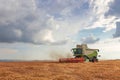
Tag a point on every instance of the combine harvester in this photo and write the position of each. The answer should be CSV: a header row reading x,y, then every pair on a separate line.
x,y
82,54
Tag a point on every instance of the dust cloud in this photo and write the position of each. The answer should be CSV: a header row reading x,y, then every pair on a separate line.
x,y
54,55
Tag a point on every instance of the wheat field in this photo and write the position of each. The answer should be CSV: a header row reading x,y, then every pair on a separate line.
x,y
36,70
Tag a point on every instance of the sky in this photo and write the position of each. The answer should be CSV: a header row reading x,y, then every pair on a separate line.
x,y
49,29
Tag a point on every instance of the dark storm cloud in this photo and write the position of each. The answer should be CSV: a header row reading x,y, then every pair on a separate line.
x,y
17,31
90,39
14,20
114,9
117,33
20,21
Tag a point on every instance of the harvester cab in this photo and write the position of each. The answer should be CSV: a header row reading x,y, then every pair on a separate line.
x,y
77,52
82,53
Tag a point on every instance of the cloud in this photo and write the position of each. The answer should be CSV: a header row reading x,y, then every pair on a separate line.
x,y
117,33
22,21
7,51
90,39
98,19
50,22
39,21
114,9
14,21
109,48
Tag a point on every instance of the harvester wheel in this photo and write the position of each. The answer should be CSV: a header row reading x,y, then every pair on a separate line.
x,y
77,56
94,59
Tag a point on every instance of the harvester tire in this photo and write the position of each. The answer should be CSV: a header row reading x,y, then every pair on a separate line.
x,y
94,59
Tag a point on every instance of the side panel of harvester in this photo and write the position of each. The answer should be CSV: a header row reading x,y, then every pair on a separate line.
x,y
87,53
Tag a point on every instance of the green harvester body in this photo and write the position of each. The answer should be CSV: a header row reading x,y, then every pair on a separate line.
x,y
85,52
